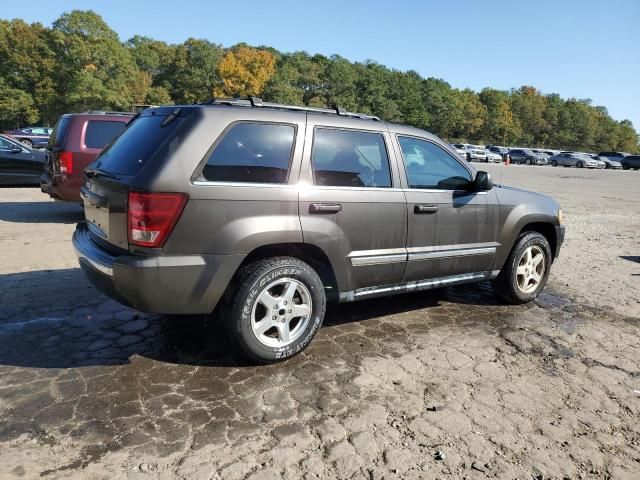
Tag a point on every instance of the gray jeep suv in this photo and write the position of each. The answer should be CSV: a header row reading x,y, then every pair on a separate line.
x,y
263,212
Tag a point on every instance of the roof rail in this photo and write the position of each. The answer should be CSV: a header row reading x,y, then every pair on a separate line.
x,y
256,102
106,112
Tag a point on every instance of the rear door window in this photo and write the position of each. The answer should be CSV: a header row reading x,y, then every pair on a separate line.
x,y
100,132
348,158
136,145
252,153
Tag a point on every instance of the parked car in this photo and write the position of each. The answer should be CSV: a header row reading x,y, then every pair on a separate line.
x,y
76,141
502,151
526,156
608,163
574,159
616,155
611,157
472,152
459,148
266,211
492,157
32,137
631,161
19,164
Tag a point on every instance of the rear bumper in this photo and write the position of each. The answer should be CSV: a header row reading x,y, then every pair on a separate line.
x,y
62,187
181,284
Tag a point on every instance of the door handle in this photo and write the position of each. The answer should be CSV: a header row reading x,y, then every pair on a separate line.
x,y
425,209
325,208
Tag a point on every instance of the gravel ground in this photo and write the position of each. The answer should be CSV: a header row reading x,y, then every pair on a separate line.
x,y
444,384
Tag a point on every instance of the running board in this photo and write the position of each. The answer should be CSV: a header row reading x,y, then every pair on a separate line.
x,y
417,285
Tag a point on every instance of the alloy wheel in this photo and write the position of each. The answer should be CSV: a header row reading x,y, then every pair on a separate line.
x,y
281,312
531,269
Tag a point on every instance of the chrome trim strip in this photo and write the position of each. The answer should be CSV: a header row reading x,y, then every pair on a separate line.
x,y
457,246
451,253
415,285
378,260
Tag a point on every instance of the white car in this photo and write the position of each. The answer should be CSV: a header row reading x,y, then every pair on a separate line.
x,y
471,152
461,151
493,157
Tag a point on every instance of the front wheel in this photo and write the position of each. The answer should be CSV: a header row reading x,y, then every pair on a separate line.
x,y
527,161
554,163
526,271
27,142
579,165
625,166
274,308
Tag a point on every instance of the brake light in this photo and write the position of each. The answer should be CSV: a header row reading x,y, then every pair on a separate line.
x,y
66,162
152,216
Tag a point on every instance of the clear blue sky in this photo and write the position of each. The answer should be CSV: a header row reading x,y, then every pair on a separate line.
x,y
583,49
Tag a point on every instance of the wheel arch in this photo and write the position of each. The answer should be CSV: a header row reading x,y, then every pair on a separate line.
x,y
308,253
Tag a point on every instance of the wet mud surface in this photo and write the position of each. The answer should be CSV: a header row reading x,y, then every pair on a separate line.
x,y
426,385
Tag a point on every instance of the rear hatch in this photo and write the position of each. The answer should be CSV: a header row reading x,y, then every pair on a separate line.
x,y
108,180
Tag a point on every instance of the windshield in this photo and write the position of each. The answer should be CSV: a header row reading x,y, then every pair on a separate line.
x,y
136,144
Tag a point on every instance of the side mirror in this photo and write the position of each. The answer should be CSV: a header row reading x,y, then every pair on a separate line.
x,y
483,182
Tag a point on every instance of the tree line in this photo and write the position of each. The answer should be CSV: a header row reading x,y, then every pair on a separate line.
x,y
79,64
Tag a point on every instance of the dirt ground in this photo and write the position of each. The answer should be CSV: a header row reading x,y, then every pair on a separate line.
x,y
443,384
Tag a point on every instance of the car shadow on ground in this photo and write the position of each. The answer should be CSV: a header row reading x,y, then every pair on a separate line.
x,y
41,212
57,319
632,258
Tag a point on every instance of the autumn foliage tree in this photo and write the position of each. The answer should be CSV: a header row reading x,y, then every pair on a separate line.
x,y
244,72
80,63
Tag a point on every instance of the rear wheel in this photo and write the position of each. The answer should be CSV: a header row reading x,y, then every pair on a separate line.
x,y
579,165
527,161
554,163
625,166
27,142
274,308
526,271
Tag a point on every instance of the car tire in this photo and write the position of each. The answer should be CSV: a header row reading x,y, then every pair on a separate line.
x,y
625,166
27,142
554,163
244,308
527,161
521,279
579,165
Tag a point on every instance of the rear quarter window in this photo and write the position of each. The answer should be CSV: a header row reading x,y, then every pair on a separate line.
x,y
56,139
99,133
139,141
252,153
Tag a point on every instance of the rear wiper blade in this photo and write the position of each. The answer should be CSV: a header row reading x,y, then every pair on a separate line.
x,y
93,172
171,117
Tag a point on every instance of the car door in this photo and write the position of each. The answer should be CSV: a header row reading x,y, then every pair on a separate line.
x,y
352,206
17,164
452,229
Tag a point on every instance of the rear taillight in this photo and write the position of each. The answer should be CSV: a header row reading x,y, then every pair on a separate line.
x,y
66,162
152,216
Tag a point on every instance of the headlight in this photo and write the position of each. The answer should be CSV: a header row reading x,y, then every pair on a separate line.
x,y
560,219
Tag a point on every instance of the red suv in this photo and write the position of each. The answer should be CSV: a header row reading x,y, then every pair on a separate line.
x,y
75,142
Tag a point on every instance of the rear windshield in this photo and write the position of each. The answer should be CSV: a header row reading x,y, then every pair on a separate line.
x,y
100,132
137,143
59,132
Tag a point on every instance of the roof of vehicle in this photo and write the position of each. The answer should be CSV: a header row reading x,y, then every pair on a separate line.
x,y
99,113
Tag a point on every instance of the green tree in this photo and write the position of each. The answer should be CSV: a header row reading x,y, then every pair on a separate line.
x,y
95,70
192,75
